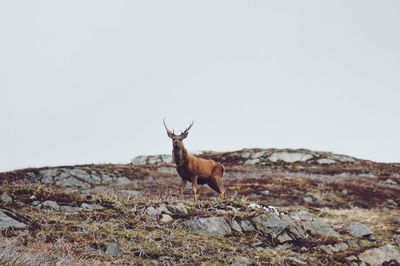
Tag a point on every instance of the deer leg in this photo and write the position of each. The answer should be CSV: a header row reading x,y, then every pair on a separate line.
x,y
182,187
215,184
194,187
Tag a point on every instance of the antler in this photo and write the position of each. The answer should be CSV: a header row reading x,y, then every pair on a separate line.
x,y
168,131
187,129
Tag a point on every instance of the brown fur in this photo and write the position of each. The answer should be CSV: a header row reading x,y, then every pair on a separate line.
x,y
195,169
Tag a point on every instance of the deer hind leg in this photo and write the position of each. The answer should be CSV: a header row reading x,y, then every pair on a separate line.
x,y
215,184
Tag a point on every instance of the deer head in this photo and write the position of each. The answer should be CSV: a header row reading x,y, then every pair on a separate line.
x,y
177,140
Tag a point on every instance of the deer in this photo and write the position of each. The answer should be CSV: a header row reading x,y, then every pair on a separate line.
x,y
194,169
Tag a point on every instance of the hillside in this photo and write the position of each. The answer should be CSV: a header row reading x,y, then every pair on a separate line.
x,y
283,207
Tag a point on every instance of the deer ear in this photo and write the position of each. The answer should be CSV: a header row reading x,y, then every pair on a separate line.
x,y
170,135
184,135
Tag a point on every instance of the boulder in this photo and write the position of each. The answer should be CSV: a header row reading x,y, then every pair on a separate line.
x,y
247,226
91,207
165,218
242,261
290,157
178,209
358,230
5,198
211,226
236,227
152,160
269,224
326,161
295,261
114,250
8,222
51,205
313,224
381,255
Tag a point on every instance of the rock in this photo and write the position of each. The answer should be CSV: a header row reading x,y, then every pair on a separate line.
x,y
294,229
295,261
265,192
341,246
308,199
290,157
353,243
313,224
155,212
252,161
396,240
165,218
390,182
91,207
70,209
328,249
5,198
236,227
152,160
256,244
269,224
351,258
358,230
378,256
114,250
8,222
342,158
326,161
242,261
51,205
211,226
247,226
178,209
284,237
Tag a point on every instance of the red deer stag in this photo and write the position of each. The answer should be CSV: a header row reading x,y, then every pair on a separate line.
x,y
194,169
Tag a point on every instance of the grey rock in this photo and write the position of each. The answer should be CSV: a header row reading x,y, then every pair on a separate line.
x,y
162,208
65,208
265,192
178,209
8,222
247,226
342,158
91,207
269,224
114,250
153,213
252,161
328,249
341,246
295,261
359,230
152,160
236,227
50,205
290,157
165,218
351,258
295,229
256,244
308,199
326,161
211,226
353,243
284,237
5,198
378,256
396,240
313,224
242,261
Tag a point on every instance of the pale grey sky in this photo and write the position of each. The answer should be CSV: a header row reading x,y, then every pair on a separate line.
x,y
90,81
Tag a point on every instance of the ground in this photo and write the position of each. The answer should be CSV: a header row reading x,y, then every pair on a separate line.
x,y
305,207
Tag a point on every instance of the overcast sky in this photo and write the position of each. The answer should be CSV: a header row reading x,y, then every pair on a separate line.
x,y
90,81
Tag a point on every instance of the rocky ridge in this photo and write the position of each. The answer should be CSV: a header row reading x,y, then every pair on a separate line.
x,y
283,207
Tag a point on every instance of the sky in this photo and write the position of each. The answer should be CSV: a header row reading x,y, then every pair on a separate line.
x,y
91,81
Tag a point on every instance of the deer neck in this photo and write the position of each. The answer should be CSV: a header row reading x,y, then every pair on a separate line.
x,y
180,156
